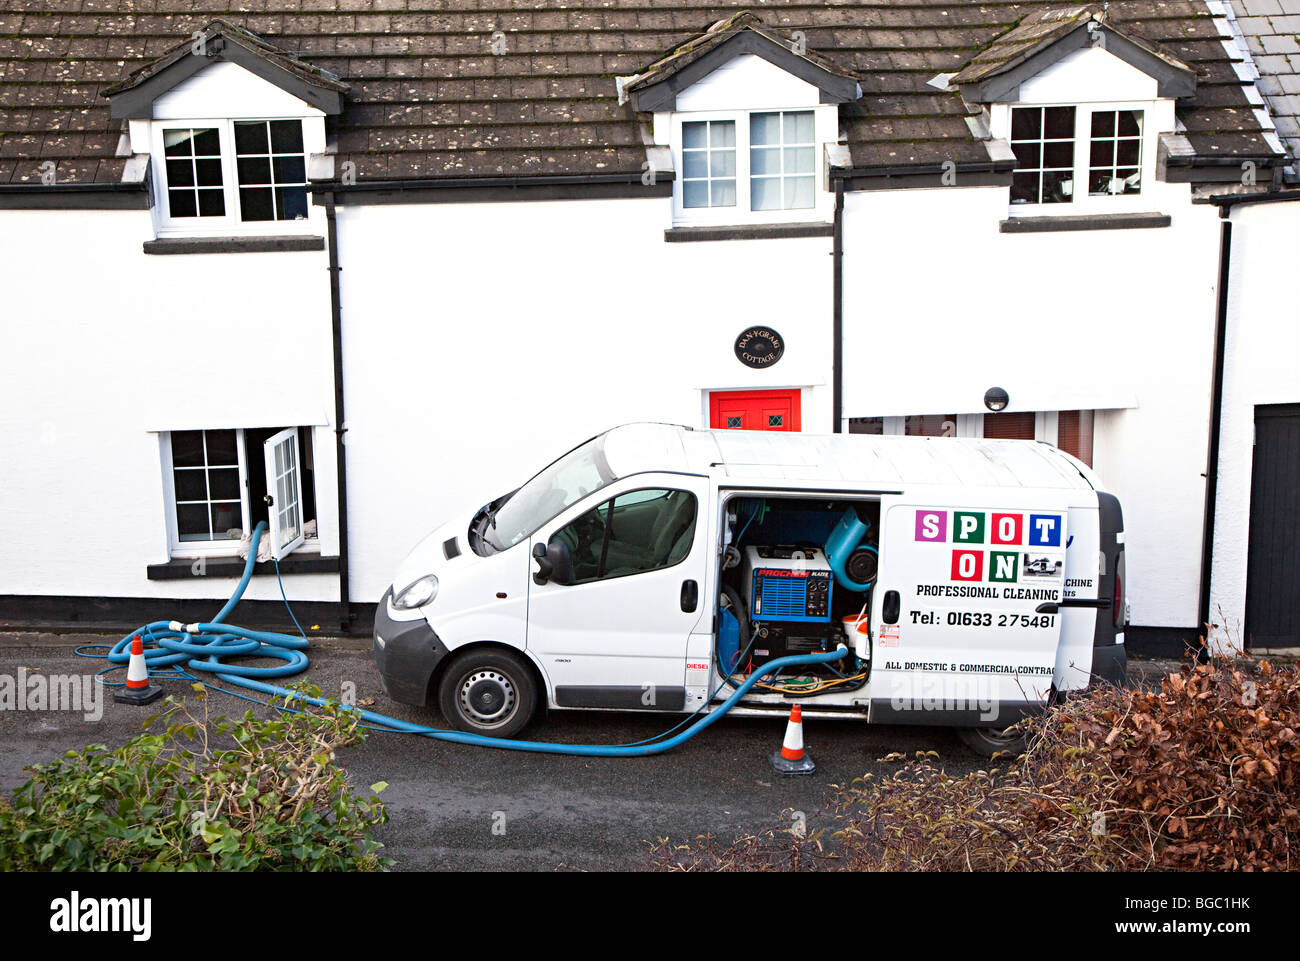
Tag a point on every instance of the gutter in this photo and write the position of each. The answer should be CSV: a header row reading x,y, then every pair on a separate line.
x,y
1216,421
430,183
346,614
977,167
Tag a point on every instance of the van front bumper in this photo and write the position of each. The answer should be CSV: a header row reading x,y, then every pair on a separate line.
x,y
406,653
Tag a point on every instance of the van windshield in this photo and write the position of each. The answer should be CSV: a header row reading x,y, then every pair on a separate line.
x,y
561,485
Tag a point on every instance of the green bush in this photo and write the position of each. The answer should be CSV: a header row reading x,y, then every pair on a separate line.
x,y
205,794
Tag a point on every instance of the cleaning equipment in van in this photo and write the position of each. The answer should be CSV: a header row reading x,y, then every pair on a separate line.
x,y
201,647
855,564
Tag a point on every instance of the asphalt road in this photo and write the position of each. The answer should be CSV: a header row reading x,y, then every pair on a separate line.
x,y
549,812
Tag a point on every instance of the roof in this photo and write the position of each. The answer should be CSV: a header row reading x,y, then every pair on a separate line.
x,y
429,97
1270,40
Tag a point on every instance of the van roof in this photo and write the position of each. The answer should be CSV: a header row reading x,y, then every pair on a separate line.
x,y
843,461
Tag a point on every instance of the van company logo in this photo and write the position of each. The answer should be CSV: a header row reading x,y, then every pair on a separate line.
x,y
76,915
34,691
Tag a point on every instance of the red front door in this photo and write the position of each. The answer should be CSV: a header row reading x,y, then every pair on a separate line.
x,y
754,410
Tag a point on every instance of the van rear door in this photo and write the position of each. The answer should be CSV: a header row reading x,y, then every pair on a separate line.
x,y
958,637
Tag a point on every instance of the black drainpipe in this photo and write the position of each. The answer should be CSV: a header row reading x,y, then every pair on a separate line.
x,y
837,313
346,615
1216,418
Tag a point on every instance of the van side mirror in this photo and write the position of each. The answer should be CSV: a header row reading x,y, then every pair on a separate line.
x,y
553,563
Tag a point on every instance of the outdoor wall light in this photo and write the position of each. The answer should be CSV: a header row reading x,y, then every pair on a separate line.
x,y
996,399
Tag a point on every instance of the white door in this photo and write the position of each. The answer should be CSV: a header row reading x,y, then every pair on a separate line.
x,y
616,635
284,484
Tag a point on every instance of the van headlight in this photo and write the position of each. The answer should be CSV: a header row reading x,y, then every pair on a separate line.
x,y
416,594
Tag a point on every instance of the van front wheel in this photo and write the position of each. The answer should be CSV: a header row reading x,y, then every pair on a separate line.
x,y
488,692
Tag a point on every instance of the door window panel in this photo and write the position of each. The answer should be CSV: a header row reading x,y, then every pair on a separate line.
x,y
636,532
1013,426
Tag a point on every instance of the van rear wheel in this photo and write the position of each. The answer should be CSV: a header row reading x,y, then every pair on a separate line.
x,y
488,692
988,741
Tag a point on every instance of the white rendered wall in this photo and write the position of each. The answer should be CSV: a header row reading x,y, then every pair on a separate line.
x,y
482,341
940,306
104,346
1263,342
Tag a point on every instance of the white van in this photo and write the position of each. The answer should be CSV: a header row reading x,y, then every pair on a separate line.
x,y
655,567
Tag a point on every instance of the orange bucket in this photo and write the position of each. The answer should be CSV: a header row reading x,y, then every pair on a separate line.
x,y
855,626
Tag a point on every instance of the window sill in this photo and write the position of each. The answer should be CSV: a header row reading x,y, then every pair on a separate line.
x,y
232,245
677,235
181,568
1031,225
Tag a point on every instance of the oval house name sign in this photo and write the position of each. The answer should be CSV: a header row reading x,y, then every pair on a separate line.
x,y
759,347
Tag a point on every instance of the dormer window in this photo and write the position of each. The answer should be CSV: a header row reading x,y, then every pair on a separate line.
x,y
230,124
747,115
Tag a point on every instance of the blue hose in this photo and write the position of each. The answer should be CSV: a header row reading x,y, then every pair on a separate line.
x,y
201,647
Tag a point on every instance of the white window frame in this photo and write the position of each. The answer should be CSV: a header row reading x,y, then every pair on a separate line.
x,y
212,548
825,130
226,547
1082,203
229,225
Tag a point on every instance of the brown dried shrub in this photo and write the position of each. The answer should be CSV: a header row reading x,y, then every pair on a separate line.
x,y
1199,775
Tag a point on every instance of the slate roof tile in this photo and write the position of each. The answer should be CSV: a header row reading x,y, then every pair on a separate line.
x,y
429,99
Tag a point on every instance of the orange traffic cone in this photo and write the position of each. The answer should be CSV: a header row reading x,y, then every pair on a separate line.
x,y
138,690
792,758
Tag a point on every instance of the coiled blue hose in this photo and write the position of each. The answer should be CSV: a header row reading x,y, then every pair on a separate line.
x,y
201,647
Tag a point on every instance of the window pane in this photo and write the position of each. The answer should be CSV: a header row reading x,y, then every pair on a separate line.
x,y
227,522
798,193
722,133
208,173
799,160
765,128
1060,155
695,193
724,193
181,203
722,163
192,522
291,202
180,173
765,194
1028,154
286,136
250,137
1026,123
187,448
178,143
695,164
765,160
1024,188
1058,123
212,203
207,143
223,484
1127,153
191,484
256,204
695,134
222,448
1130,123
1058,186
799,127
1103,123
254,171
290,170
1102,153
